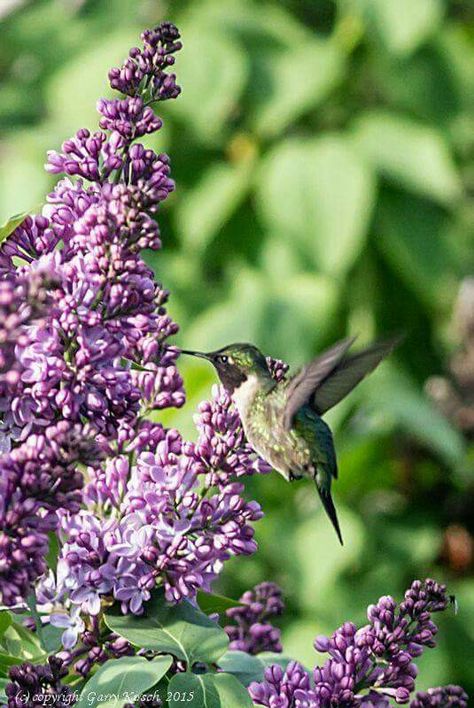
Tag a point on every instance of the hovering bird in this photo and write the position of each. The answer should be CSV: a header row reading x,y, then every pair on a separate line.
x,y
282,420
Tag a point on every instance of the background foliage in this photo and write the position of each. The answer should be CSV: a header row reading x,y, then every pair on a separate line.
x,y
324,159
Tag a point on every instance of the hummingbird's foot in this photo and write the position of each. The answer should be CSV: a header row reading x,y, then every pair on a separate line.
x,y
292,476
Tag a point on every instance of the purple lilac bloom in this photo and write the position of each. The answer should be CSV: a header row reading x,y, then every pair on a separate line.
x,y
221,443
32,685
102,314
163,516
446,697
36,480
107,310
368,666
149,65
251,631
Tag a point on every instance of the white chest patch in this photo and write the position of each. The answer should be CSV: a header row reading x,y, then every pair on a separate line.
x,y
244,395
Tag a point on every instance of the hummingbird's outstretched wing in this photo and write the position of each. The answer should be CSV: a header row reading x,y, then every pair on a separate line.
x,y
330,377
304,383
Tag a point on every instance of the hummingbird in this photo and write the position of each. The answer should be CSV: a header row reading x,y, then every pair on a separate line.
x,y
282,420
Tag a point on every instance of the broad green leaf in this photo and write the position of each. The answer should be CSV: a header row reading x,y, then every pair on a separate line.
x,y
85,75
207,691
413,236
316,532
6,661
122,681
5,621
250,23
411,154
212,71
211,603
3,695
181,630
319,193
205,209
402,404
51,638
10,225
296,80
289,322
20,642
403,24
247,668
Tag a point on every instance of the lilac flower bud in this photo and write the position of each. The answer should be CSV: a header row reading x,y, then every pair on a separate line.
x,y
252,632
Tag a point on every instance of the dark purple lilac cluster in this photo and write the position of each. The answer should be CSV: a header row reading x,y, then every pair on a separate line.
x,y
36,480
32,685
368,666
446,697
252,632
145,69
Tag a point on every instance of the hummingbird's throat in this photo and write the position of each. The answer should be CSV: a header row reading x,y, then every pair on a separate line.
x,y
244,394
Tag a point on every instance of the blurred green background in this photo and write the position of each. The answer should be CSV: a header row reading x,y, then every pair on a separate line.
x,y
324,159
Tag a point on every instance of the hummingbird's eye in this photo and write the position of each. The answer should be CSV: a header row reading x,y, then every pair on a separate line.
x,y
222,359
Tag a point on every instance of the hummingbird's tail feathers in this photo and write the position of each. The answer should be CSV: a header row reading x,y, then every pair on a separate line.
x,y
330,509
350,372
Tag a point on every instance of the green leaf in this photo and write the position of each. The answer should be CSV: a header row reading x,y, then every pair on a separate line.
x,y
85,75
211,603
282,320
20,642
6,661
400,401
207,691
181,630
3,695
296,80
133,365
414,239
410,154
51,638
53,551
212,71
10,225
247,668
204,210
5,621
320,193
403,24
122,681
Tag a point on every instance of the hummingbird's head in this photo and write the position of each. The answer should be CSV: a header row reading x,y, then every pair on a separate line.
x,y
235,363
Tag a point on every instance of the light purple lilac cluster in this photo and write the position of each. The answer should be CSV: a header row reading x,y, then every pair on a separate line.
x,y
251,630
369,666
157,510
164,512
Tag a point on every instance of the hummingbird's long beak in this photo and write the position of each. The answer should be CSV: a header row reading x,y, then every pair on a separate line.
x,y
201,355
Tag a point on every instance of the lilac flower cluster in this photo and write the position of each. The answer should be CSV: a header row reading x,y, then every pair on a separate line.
x,y
96,361
251,631
36,479
146,68
367,666
160,513
24,298
446,697
221,442
32,685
